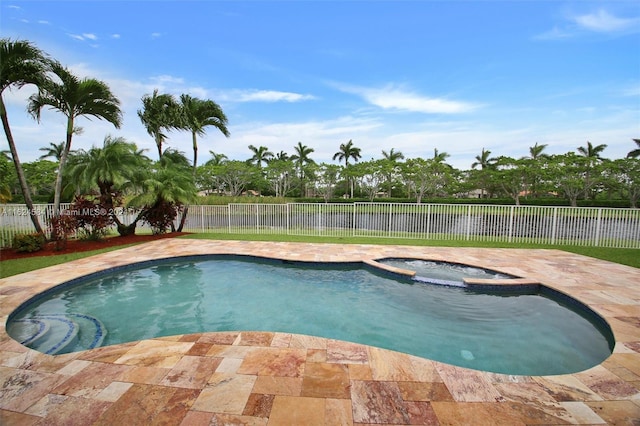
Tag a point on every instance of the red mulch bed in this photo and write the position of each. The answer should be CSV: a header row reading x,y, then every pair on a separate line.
x,y
74,246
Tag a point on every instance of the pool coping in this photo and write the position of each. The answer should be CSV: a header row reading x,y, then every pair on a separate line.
x,y
253,385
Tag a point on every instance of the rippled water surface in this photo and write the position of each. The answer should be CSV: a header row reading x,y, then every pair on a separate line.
x,y
516,334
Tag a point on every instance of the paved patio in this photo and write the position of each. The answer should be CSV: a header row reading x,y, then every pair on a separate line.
x,y
261,378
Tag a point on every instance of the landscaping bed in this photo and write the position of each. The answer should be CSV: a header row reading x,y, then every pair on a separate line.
x,y
75,246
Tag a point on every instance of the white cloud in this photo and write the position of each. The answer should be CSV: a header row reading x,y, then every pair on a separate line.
x,y
600,21
251,95
115,35
167,79
44,22
392,97
156,35
603,21
554,34
90,36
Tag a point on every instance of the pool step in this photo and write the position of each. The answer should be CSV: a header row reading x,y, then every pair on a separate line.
x,y
58,333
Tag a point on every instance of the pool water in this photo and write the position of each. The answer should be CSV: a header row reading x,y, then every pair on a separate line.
x,y
443,272
527,334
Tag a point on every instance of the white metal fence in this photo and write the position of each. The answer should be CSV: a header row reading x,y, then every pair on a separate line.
x,y
585,226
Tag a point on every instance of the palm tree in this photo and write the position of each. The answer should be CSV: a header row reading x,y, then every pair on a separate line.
x,y
390,164
535,156
74,98
485,162
217,158
196,115
21,63
392,155
158,114
54,150
116,167
283,156
346,152
169,185
592,152
301,159
535,151
440,157
261,155
636,152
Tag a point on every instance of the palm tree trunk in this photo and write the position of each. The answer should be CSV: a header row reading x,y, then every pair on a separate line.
x,y
183,219
63,162
19,171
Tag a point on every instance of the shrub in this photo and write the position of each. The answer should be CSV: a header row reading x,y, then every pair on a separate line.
x,y
61,227
92,218
160,216
28,243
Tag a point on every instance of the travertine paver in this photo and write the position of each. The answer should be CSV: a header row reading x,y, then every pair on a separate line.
x,y
262,378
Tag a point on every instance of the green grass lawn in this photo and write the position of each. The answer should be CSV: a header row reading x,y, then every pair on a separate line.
x,y
629,257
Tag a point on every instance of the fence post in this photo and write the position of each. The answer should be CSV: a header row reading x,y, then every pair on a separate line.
x,y
597,241
353,222
468,222
288,218
554,225
511,224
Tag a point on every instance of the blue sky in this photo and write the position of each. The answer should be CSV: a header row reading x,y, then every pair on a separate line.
x,y
410,75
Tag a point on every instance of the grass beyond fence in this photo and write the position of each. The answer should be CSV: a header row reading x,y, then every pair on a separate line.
x,y
574,226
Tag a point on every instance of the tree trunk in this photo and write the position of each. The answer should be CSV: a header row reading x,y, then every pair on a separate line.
x,y
63,162
183,219
19,171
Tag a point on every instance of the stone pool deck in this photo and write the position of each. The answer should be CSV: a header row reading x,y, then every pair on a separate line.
x,y
260,378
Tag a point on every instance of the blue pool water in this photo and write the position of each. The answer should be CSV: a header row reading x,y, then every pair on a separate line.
x,y
514,333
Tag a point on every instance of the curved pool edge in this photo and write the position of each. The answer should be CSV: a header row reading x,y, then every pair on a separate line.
x,y
609,290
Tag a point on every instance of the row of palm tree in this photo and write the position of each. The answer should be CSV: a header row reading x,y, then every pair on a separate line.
x,y
60,90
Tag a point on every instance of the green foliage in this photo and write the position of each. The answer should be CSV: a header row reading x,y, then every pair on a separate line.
x,y
28,243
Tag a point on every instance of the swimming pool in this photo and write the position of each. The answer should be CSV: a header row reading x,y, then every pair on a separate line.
x,y
516,333
446,273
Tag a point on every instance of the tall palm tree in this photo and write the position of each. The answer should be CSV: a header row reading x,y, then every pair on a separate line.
x,y
261,155
168,186
21,63
282,155
392,155
347,151
54,150
158,114
636,152
216,158
440,157
390,165
532,175
592,152
74,98
485,162
301,159
116,167
535,151
196,115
